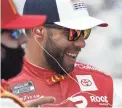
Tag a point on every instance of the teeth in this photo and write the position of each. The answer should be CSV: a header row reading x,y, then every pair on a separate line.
x,y
72,55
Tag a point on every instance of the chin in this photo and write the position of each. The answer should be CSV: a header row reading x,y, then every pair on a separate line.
x,y
69,69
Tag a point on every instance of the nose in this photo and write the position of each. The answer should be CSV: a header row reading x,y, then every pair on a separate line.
x,y
22,39
80,43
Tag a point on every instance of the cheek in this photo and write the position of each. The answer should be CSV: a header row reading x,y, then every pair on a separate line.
x,y
63,43
61,39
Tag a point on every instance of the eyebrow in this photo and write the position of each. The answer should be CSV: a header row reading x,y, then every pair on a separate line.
x,y
54,26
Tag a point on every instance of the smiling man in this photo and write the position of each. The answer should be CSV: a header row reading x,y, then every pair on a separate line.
x,y
50,66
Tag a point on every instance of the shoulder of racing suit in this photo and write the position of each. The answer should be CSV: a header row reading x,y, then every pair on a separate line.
x,y
91,69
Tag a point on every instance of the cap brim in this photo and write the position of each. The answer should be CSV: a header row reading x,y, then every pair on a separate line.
x,y
82,23
25,21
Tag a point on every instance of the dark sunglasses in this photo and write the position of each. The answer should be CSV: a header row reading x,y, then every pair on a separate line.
x,y
16,33
73,35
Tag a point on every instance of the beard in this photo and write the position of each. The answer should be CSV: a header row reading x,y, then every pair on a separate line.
x,y
12,62
58,54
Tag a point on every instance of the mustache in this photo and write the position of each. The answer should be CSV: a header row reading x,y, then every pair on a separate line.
x,y
77,49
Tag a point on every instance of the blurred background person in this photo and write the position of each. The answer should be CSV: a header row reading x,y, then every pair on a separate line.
x,y
11,39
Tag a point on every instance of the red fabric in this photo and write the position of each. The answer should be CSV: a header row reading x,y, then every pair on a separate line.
x,y
5,85
10,19
66,87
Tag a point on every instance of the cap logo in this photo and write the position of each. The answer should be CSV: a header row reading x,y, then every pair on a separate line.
x,y
78,4
12,6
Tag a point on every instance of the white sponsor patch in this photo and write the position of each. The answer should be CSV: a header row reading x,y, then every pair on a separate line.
x,y
23,88
86,83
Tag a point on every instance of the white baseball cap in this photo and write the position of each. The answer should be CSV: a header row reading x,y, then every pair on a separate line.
x,y
71,14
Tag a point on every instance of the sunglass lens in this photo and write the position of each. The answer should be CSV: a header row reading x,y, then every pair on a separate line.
x,y
87,33
74,35
16,34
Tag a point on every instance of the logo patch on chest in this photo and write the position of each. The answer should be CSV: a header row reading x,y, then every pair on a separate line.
x,y
23,88
86,83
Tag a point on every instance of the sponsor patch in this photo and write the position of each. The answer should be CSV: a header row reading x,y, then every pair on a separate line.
x,y
82,102
25,98
23,88
101,100
90,67
86,83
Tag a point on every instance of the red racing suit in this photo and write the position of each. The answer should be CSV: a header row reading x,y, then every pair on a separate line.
x,y
84,87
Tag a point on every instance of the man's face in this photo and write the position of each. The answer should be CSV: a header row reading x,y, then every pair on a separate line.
x,y
9,41
63,50
11,54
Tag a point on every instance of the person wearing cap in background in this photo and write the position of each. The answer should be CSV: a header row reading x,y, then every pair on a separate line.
x,y
12,53
50,62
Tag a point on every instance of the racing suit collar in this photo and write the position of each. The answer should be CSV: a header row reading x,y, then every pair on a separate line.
x,y
49,76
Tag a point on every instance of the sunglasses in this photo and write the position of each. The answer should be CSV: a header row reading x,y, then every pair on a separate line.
x,y
72,34
16,33
75,34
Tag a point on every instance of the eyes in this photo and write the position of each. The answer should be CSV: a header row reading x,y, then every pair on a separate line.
x,y
14,33
74,35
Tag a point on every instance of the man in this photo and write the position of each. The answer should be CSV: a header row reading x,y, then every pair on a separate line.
x,y
50,61
12,54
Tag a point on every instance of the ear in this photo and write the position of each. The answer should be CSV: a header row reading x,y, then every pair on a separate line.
x,y
38,32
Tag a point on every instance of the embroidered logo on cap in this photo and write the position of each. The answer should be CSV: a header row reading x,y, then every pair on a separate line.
x,y
78,4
